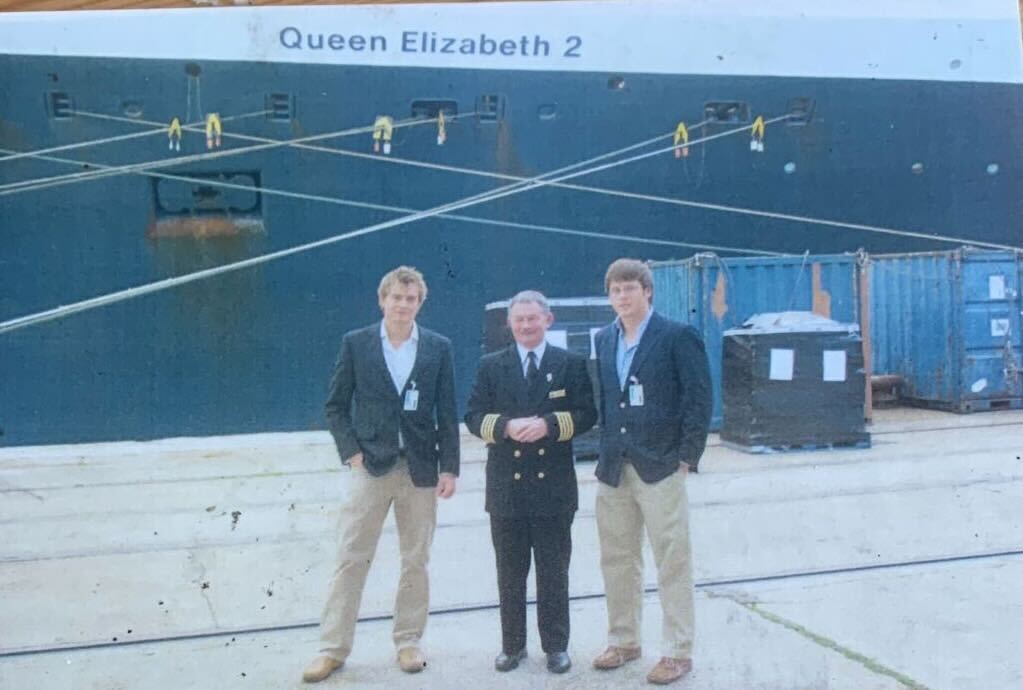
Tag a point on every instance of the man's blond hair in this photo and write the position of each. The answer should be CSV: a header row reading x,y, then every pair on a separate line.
x,y
403,275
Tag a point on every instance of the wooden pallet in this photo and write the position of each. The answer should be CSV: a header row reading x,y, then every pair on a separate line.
x,y
797,447
968,406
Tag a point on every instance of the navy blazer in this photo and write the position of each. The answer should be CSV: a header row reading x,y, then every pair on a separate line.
x,y
672,424
531,479
365,411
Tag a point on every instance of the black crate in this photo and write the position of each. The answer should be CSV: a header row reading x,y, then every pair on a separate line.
x,y
793,380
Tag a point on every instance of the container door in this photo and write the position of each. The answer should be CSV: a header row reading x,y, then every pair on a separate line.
x,y
992,343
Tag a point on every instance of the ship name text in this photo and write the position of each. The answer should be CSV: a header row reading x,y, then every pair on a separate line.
x,y
435,43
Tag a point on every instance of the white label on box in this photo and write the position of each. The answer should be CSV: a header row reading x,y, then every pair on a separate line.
x,y
999,327
558,338
781,364
834,365
979,385
996,287
593,342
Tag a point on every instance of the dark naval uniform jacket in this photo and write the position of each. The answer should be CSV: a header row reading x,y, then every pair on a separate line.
x,y
365,411
671,425
531,479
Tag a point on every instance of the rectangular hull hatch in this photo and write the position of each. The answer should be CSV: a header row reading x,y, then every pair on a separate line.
x,y
207,205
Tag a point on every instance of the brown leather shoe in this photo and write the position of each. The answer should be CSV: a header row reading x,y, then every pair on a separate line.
x,y
411,660
320,668
668,670
616,657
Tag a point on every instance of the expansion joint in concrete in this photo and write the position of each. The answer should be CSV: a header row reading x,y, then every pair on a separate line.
x,y
872,665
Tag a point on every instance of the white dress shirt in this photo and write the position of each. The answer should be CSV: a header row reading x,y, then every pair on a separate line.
x,y
524,354
400,361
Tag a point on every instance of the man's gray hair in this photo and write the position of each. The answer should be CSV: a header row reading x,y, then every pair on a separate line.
x,y
530,296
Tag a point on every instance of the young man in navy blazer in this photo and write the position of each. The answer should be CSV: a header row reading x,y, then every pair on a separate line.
x,y
392,414
655,409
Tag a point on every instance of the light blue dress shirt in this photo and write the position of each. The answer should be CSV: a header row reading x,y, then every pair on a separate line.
x,y
625,353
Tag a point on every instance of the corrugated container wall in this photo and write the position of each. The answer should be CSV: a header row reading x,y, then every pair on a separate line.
x,y
949,324
714,294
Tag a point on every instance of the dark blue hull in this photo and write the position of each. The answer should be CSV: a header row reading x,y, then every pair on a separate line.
x,y
252,351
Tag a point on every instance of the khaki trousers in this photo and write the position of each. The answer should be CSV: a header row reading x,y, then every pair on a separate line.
x,y
361,521
622,512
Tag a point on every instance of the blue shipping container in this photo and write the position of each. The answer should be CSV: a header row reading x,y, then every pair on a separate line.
x,y
949,324
714,294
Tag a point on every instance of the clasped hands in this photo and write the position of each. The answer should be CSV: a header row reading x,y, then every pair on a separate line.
x,y
526,429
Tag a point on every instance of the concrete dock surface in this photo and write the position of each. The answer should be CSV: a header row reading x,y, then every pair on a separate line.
x,y
203,563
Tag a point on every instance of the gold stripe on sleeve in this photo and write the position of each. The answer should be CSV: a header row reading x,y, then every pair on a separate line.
x,y
487,428
566,427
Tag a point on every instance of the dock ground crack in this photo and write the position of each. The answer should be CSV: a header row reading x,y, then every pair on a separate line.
x,y
204,586
871,664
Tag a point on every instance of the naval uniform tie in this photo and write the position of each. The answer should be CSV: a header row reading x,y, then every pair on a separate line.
x,y
532,373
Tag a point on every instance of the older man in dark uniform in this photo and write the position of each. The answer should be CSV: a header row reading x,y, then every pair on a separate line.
x,y
528,402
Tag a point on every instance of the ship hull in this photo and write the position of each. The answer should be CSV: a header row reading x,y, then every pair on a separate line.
x,y
252,350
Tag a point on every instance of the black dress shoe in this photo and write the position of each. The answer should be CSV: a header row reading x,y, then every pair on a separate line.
x,y
558,662
507,662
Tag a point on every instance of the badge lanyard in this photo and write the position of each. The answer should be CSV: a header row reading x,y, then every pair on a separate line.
x,y
411,398
635,392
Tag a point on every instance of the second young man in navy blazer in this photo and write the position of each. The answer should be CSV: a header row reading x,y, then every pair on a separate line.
x,y
655,408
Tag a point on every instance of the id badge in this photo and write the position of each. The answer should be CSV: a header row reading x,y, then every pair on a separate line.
x,y
636,395
411,400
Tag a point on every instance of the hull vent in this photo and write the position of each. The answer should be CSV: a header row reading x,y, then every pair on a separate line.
x,y
430,108
727,112
800,112
60,105
490,108
280,107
